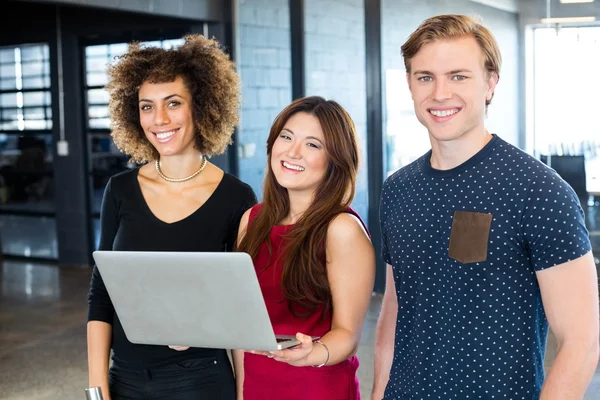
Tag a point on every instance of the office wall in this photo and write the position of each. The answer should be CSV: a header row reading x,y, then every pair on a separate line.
x,y
264,62
335,68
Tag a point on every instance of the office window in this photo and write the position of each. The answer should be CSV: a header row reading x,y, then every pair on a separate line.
x,y
565,122
25,102
27,224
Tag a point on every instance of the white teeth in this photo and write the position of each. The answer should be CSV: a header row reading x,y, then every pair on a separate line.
x,y
164,135
294,167
445,113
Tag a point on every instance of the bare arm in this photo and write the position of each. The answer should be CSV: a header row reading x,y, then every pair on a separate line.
x,y
238,366
243,225
98,344
386,333
570,297
100,308
238,355
351,275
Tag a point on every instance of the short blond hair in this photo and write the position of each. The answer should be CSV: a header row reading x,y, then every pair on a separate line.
x,y
454,26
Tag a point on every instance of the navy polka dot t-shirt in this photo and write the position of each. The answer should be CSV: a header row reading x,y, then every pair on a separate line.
x,y
464,245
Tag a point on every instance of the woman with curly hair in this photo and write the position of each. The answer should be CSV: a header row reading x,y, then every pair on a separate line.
x,y
312,253
170,110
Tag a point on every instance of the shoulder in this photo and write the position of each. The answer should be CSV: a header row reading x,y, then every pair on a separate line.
x,y
128,174
543,181
535,175
401,182
346,227
253,211
123,181
233,196
249,215
519,159
245,218
405,174
238,188
545,192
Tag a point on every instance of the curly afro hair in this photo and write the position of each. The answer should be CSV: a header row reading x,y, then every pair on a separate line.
x,y
208,74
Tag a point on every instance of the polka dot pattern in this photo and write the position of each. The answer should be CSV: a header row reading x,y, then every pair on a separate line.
x,y
475,330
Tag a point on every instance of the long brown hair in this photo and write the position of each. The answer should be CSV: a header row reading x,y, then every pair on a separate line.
x,y
304,281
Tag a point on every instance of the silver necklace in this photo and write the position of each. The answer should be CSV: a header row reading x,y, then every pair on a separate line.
x,y
187,178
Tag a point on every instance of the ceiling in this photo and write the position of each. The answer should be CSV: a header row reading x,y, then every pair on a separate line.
x,y
533,10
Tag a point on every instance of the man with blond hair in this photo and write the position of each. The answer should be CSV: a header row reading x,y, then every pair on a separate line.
x,y
485,246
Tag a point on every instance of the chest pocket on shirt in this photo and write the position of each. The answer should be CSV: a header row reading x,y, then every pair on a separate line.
x,y
469,236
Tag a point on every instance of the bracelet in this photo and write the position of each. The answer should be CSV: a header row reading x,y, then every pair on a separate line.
x,y
326,349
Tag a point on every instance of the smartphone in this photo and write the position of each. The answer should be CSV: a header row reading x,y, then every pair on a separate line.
x,y
289,341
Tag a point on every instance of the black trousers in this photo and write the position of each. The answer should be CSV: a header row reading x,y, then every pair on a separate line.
x,y
209,378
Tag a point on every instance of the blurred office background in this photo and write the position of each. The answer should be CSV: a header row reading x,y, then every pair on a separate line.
x,y
56,153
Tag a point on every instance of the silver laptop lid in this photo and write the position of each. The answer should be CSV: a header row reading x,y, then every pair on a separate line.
x,y
189,299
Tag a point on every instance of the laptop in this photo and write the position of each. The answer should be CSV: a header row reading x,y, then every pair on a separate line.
x,y
202,299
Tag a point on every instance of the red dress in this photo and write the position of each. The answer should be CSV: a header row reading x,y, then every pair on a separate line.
x,y
267,379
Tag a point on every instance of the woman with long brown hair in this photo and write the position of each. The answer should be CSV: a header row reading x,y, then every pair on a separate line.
x,y
312,253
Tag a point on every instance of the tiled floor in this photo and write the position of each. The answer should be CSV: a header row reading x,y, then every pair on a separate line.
x,y
42,332
42,335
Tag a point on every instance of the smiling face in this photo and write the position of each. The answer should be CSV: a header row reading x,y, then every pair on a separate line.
x,y
449,87
298,158
166,116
